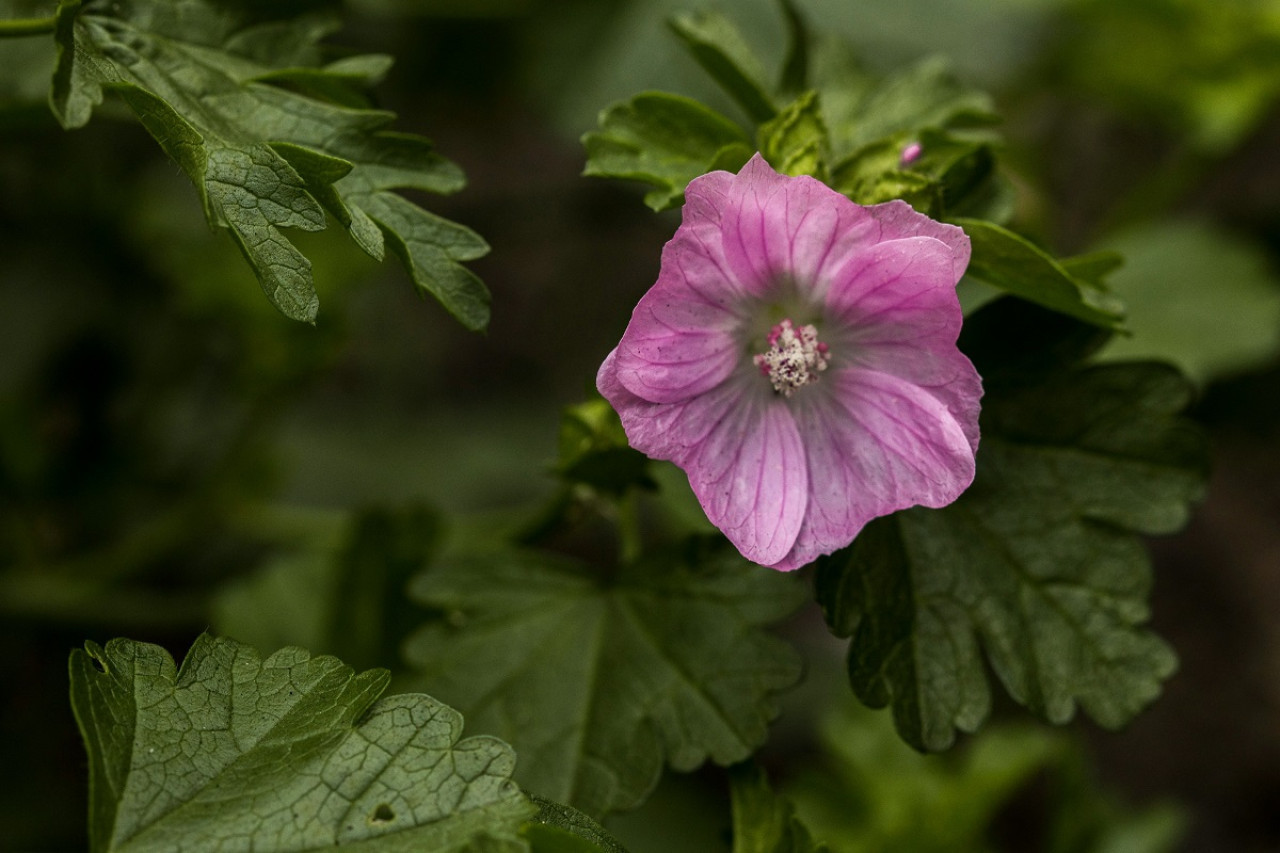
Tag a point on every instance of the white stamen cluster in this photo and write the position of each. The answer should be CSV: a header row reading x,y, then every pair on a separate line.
x,y
794,359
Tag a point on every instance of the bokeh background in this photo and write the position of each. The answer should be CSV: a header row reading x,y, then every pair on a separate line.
x,y
164,434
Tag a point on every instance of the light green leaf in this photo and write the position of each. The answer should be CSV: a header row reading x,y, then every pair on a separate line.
x,y
1015,265
288,753
264,158
762,821
720,49
559,828
1205,300
664,140
1039,565
795,140
599,679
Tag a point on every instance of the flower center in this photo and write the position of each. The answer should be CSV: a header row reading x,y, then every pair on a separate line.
x,y
794,359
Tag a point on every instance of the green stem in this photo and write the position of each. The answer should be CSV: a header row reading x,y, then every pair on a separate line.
x,y
629,543
20,27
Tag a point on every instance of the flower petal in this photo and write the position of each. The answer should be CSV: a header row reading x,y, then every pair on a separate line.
x,y
897,289
680,340
898,220
797,229
877,445
741,450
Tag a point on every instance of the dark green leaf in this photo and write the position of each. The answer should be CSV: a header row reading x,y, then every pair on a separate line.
x,y
664,140
288,753
1039,564
762,821
264,158
596,680
720,49
1015,265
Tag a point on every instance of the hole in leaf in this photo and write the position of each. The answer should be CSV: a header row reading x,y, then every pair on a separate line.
x,y
98,664
382,814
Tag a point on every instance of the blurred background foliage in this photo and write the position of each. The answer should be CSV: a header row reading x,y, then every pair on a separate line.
x,y
174,454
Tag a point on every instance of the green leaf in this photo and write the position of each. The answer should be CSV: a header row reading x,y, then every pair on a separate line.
x,y
1039,564
762,821
264,158
597,680
1015,265
795,140
860,110
287,753
559,828
1198,297
720,49
664,140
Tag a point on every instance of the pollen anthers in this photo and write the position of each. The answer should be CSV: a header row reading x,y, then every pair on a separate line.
x,y
794,359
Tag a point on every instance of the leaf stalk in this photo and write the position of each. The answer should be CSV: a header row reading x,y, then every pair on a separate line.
x,y
21,27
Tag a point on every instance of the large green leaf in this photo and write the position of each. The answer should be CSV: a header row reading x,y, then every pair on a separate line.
x,y
1039,564
288,753
597,680
201,78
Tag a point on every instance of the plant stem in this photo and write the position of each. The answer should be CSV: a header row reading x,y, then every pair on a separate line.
x,y
628,520
20,27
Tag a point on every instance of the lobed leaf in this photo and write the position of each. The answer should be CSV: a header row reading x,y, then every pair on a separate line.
x,y
201,78
1038,566
288,753
598,681
664,140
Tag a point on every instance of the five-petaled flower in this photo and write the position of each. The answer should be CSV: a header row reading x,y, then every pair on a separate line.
x,y
797,358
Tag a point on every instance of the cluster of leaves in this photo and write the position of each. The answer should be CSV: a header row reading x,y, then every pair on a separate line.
x,y
599,673
829,119
270,137
1039,564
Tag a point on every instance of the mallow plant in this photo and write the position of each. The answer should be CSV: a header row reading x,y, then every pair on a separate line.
x,y
881,396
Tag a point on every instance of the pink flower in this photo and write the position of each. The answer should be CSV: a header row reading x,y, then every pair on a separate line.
x,y
797,358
